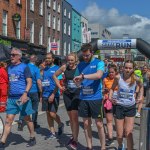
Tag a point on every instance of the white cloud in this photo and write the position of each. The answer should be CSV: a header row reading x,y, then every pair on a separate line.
x,y
136,26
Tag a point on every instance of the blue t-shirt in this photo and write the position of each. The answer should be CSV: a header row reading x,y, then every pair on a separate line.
x,y
48,82
91,89
35,72
17,79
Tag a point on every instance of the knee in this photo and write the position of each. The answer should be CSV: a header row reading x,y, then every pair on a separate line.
x,y
53,115
87,123
99,124
128,133
8,122
27,119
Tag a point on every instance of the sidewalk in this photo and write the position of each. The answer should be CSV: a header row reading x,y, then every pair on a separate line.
x,y
17,140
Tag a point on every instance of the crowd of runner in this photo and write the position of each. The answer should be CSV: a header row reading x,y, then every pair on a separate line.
x,y
91,89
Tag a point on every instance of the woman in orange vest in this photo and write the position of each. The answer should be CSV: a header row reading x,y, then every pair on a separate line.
x,y
3,86
108,108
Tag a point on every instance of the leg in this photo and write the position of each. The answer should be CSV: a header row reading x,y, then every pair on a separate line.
x,y
30,125
129,123
109,119
88,131
74,124
7,128
50,121
120,130
35,104
100,127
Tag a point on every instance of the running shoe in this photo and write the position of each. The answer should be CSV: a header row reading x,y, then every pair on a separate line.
x,y
51,136
73,145
2,146
31,142
137,115
109,142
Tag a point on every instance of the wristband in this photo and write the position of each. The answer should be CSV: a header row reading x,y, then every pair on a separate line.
x,y
82,76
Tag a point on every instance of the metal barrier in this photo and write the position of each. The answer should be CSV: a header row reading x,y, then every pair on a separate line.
x,y
144,143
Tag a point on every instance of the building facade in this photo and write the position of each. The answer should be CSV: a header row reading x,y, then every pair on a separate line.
x,y
76,30
85,34
66,26
35,28
54,26
13,23
100,32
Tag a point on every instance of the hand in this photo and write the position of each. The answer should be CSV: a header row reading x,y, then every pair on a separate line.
x,y
77,80
62,88
51,98
24,98
139,100
114,101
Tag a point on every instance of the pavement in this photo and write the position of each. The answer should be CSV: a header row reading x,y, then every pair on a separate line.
x,y
17,140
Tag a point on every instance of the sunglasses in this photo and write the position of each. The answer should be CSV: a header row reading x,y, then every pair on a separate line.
x,y
86,56
13,55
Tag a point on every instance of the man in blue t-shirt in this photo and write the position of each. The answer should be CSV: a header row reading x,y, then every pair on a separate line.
x,y
34,93
91,71
50,96
20,83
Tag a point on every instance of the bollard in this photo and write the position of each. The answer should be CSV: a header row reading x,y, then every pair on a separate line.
x,y
144,143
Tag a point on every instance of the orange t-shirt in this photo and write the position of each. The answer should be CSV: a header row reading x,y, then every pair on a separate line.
x,y
108,84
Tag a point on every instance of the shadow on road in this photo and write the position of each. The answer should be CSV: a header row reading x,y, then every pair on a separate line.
x,y
15,139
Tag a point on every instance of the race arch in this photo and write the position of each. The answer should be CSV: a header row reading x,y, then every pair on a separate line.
x,y
116,44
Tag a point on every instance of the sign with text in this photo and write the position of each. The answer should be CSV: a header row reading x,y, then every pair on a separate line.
x,y
54,46
117,44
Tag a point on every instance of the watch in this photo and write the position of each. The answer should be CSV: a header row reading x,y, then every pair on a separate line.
x,y
26,92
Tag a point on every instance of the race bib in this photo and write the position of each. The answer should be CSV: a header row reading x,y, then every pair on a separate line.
x,y
45,83
71,84
13,78
126,94
88,91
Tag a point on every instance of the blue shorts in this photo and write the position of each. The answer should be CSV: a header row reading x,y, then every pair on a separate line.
x,y
13,108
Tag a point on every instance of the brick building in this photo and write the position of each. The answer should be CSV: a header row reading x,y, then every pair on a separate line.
x,y
12,23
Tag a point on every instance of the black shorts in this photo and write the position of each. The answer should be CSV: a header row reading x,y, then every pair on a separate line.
x,y
108,111
91,108
120,112
71,101
51,107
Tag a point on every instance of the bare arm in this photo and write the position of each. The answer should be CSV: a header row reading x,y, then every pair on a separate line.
x,y
24,97
114,85
57,73
140,89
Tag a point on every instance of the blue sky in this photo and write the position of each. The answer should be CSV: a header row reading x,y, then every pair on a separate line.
x,y
118,16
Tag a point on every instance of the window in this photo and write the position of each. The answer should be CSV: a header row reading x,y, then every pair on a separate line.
x,y
65,52
49,3
32,5
64,27
4,24
54,5
69,16
41,7
65,11
49,20
69,30
68,48
58,42
58,8
41,36
54,22
32,33
18,1
58,24
49,44
18,29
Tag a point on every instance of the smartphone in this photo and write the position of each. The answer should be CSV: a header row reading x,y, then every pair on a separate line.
x,y
19,102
